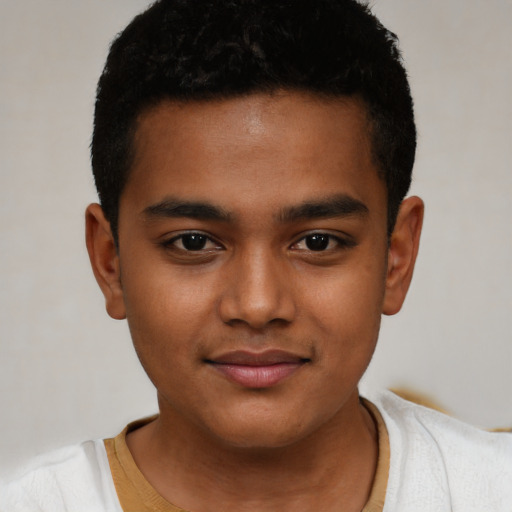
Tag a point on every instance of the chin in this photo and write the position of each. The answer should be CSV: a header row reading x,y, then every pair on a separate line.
x,y
264,432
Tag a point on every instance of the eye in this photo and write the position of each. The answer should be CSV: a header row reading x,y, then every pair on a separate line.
x,y
321,242
192,242
317,242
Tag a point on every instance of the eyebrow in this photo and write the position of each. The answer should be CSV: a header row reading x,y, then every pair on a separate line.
x,y
176,208
340,205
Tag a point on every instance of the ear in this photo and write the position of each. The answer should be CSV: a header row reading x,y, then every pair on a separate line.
x,y
104,260
402,252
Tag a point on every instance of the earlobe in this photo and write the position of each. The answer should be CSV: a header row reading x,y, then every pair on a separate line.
x,y
402,252
104,260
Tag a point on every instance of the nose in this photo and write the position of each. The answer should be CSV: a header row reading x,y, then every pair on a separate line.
x,y
257,292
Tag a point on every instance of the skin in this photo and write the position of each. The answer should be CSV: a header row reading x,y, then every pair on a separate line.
x,y
244,173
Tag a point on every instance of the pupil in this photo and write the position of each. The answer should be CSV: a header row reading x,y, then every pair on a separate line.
x,y
317,242
194,242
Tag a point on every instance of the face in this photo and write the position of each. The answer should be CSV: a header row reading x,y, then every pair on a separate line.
x,y
253,262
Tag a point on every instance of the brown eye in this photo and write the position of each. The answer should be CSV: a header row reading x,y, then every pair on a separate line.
x,y
317,242
323,243
194,242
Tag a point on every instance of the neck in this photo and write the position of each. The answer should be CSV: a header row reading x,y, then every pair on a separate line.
x,y
330,469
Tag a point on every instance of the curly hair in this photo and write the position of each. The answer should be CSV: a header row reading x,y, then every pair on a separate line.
x,y
192,50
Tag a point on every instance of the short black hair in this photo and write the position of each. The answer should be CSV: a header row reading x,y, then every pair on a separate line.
x,y
191,50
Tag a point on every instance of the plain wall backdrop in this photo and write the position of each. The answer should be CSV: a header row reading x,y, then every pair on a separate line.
x,y
68,372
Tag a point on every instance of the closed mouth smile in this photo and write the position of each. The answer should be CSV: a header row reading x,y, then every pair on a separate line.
x,y
257,370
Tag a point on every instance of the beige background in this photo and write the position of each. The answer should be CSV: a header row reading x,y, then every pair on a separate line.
x,y
68,372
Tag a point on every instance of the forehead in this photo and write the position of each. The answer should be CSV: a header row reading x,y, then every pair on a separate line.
x,y
276,149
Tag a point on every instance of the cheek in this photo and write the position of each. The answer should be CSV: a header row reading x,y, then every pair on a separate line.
x,y
163,293
166,312
351,297
346,310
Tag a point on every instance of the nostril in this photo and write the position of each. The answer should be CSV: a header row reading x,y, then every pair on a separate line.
x,y
257,316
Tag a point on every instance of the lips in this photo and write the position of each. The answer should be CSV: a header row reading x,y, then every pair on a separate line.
x,y
258,370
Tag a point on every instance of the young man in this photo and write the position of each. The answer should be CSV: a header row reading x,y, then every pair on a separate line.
x,y
252,160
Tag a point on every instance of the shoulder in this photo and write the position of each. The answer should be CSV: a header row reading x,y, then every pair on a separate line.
x,y
73,478
440,463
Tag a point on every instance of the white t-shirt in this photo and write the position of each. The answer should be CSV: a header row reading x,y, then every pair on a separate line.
x,y
438,464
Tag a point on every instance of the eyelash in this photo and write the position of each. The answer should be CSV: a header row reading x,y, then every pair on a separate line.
x,y
171,243
341,243
322,237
